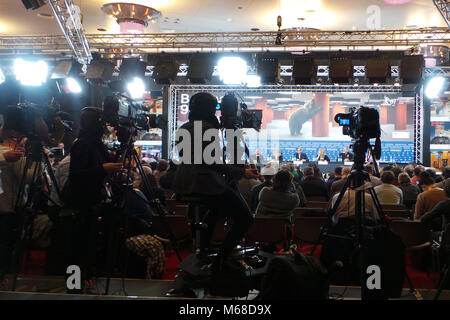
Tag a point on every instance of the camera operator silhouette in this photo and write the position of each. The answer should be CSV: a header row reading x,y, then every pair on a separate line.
x,y
214,184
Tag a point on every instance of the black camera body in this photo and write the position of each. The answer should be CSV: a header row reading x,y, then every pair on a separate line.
x,y
236,115
361,123
122,112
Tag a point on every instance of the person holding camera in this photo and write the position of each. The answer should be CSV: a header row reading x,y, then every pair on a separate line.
x,y
90,164
215,184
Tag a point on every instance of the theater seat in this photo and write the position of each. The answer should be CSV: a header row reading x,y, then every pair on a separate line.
x,y
307,229
268,229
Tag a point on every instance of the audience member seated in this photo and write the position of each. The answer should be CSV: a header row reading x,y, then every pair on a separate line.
x,y
247,182
445,175
346,208
337,176
410,191
322,156
439,216
374,180
312,186
387,193
409,169
396,171
338,185
267,174
417,171
430,196
161,169
280,198
166,181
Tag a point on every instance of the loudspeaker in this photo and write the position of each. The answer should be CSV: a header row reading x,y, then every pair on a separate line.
x,y
378,69
341,69
411,69
131,68
101,70
33,4
268,68
166,69
304,70
201,68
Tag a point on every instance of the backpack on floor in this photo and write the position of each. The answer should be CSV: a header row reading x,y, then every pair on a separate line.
x,y
295,276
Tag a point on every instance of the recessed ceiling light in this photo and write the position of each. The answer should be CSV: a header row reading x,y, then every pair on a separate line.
x,y
310,11
101,29
254,29
240,8
229,19
301,19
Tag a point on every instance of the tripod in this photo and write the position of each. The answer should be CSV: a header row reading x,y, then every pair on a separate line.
x,y
120,199
357,181
34,152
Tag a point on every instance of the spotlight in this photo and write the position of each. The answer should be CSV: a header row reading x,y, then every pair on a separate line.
x,y
136,88
33,4
268,68
304,70
65,69
100,70
30,73
201,68
232,70
434,87
253,81
411,69
341,70
2,77
378,69
73,85
166,69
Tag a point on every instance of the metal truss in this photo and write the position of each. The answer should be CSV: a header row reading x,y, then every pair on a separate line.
x,y
418,127
68,20
292,41
444,9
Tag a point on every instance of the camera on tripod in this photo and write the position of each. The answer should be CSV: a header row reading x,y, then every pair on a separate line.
x,y
360,123
125,115
236,115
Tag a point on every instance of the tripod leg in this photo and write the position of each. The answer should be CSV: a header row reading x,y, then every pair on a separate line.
x,y
442,283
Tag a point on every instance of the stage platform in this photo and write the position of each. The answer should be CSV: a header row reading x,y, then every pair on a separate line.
x,y
54,288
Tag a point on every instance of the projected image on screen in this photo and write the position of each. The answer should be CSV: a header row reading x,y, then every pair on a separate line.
x,y
306,120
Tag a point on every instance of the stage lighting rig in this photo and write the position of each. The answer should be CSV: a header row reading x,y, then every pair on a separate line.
x,y
30,73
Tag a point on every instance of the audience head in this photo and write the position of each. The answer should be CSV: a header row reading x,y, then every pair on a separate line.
x,y
446,172
447,187
268,172
308,172
409,169
369,169
432,172
403,178
162,166
91,126
426,181
317,173
418,169
330,175
338,172
346,171
387,177
282,181
396,171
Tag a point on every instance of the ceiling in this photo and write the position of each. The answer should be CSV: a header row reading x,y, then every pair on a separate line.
x,y
235,15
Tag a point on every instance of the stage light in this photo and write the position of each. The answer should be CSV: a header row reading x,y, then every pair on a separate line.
x,y
232,70
165,70
304,70
33,4
253,81
73,85
100,70
341,70
268,68
30,73
378,69
201,68
411,69
136,88
435,87
2,77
